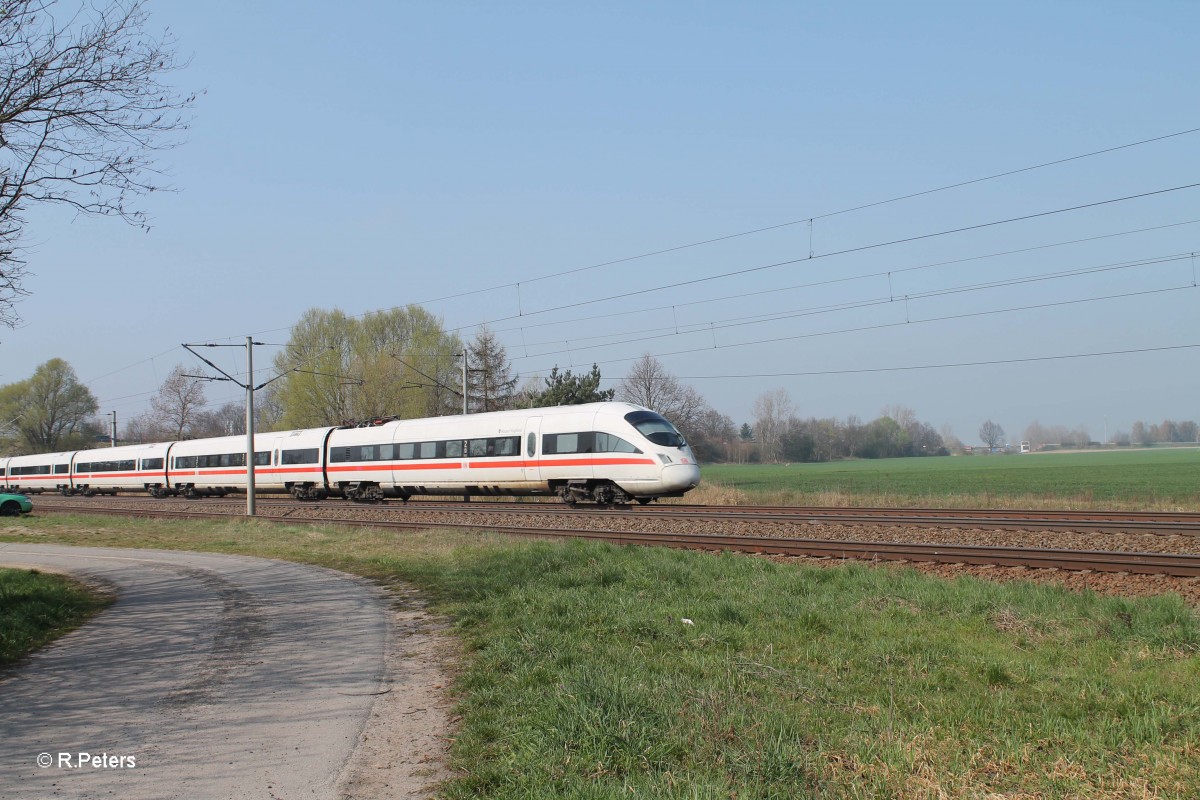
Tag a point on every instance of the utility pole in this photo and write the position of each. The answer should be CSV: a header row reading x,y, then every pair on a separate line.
x,y
113,438
250,388
249,426
464,358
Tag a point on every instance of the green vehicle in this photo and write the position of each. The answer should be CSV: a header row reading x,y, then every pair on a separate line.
x,y
14,505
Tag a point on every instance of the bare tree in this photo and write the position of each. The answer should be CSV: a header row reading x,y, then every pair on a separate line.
x,y
83,109
649,384
145,428
991,434
227,420
771,412
952,442
178,403
905,417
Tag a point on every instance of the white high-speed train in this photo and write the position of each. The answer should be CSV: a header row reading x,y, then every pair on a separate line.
x,y
602,452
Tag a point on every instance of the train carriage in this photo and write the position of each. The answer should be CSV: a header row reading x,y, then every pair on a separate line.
x,y
45,472
282,461
108,470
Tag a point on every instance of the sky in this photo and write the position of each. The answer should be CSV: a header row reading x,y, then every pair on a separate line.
x,y
516,164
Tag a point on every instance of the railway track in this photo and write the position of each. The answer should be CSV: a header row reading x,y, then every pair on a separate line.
x,y
1137,563
1159,523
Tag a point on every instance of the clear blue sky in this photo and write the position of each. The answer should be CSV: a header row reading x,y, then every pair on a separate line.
x,y
379,154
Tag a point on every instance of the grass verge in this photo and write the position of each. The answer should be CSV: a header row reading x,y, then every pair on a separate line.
x,y
36,608
594,671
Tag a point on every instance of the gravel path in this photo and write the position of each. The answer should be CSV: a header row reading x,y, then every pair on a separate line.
x,y
211,676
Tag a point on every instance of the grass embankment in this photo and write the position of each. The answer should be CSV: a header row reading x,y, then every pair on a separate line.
x,y
581,677
1129,480
36,608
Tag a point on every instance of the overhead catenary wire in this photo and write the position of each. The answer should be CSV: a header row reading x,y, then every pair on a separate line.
x,y
805,219
758,319
861,248
811,217
825,282
887,325
950,365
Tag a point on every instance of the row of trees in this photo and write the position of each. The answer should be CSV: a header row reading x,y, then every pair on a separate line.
x,y
779,435
1167,431
1141,434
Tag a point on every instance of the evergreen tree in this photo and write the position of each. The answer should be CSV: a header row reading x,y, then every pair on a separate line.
x,y
565,389
491,386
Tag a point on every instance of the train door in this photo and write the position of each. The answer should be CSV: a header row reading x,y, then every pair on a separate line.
x,y
530,445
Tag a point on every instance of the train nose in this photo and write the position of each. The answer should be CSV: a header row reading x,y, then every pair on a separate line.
x,y
680,477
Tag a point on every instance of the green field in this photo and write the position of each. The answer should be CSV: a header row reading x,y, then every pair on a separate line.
x,y
595,671
1150,479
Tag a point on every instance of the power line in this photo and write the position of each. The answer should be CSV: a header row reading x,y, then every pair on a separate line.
x,y
809,219
952,365
909,196
859,249
831,281
759,319
887,325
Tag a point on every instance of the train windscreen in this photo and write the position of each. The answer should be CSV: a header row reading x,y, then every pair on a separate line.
x,y
655,428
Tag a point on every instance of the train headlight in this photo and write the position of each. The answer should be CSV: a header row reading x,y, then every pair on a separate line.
x,y
664,458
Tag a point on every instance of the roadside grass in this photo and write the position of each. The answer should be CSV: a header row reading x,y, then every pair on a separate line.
x,y
36,608
595,671
1150,480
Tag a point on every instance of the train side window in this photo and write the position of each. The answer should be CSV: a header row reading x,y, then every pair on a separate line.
x,y
508,445
428,450
385,452
477,448
62,469
261,459
607,443
406,451
308,455
531,445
